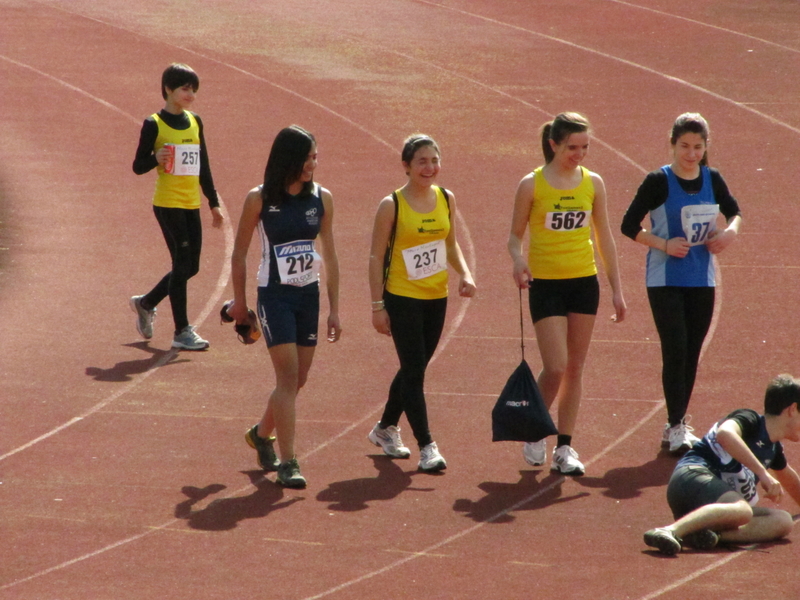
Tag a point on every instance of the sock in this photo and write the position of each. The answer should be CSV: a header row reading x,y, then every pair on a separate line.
x,y
563,440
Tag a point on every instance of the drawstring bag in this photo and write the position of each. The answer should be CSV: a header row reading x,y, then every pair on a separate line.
x,y
520,415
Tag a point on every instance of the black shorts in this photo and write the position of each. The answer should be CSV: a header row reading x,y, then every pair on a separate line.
x,y
289,315
693,486
559,297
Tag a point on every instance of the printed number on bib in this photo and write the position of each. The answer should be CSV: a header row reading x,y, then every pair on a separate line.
x,y
743,482
425,260
567,220
298,263
698,222
187,159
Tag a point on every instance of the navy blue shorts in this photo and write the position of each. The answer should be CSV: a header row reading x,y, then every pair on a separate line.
x,y
289,315
559,297
693,486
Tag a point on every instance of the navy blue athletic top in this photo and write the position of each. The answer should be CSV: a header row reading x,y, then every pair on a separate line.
x,y
288,230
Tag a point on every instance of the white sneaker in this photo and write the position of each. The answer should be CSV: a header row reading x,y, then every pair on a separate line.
x,y
144,317
430,460
389,440
535,453
681,438
565,460
188,339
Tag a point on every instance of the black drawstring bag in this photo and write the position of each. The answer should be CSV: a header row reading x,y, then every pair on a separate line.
x,y
520,415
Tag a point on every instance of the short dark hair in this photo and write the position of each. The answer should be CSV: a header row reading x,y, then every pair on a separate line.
x,y
286,161
782,392
559,129
177,75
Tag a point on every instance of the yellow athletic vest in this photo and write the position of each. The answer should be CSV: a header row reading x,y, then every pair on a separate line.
x,y
560,244
419,256
176,191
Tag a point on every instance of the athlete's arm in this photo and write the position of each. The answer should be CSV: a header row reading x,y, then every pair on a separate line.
x,y
251,213
331,262
523,202
145,160
729,436
790,481
381,232
606,247
466,285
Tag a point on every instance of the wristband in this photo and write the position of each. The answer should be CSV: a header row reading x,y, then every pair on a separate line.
x,y
377,305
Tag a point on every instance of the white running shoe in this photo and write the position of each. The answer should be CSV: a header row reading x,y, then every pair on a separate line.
x,y
535,453
389,440
565,460
430,460
144,317
188,339
681,438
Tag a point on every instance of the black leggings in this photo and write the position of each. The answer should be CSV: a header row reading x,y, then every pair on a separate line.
x,y
682,316
416,328
183,233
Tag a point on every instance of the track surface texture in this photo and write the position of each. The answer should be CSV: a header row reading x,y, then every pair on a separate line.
x,y
123,471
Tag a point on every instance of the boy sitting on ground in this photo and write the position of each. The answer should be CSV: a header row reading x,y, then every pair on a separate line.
x,y
713,491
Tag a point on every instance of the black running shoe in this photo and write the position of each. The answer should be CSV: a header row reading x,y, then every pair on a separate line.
x,y
664,540
267,459
289,475
705,539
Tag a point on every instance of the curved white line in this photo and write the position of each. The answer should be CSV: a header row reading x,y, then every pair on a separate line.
x,y
210,305
623,61
704,24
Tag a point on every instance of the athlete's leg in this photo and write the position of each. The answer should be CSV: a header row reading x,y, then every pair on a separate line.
x,y
667,306
579,336
699,310
551,337
767,524
280,413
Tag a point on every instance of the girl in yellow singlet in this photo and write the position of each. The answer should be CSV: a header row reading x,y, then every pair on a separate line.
x,y
416,222
561,202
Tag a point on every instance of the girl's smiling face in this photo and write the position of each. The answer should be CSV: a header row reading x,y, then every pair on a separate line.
x,y
571,152
424,167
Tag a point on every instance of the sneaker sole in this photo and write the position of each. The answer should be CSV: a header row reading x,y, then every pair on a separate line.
x,y
294,484
434,469
573,472
180,346
533,463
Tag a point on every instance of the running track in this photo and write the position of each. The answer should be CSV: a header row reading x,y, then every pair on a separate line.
x,y
123,472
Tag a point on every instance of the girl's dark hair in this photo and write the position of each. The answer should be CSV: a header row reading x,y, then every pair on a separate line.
x,y
413,143
285,163
178,75
559,129
782,392
691,123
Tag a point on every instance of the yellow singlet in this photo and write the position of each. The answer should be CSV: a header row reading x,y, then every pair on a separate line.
x,y
177,191
419,257
560,233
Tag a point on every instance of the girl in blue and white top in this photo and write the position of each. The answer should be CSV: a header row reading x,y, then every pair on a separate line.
x,y
684,200
294,217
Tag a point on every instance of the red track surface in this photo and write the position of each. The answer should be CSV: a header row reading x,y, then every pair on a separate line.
x,y
123,473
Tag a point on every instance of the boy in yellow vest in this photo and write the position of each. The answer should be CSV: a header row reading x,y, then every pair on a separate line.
x,y
172,142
